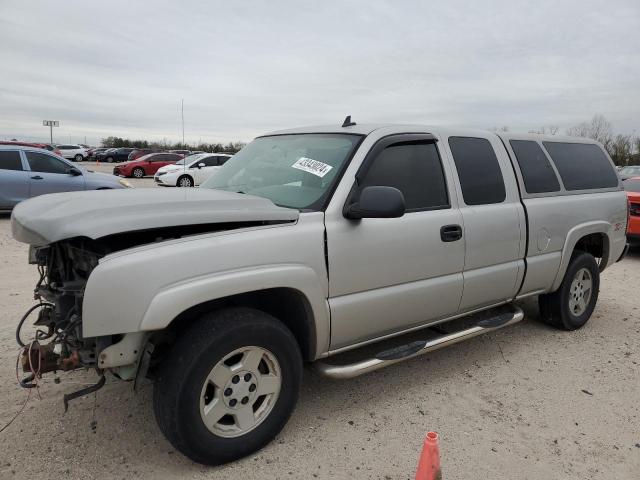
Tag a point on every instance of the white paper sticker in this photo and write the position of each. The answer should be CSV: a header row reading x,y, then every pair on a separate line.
x,y
316,167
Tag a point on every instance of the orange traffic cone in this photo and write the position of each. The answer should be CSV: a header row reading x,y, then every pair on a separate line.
x,y
429,463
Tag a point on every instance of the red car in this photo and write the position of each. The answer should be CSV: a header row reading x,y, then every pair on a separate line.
x,y
146,165
632,186
44,146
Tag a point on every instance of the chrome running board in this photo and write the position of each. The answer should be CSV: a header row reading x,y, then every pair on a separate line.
x,y
420,347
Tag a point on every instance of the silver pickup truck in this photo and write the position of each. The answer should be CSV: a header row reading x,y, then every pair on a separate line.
x,y
308,243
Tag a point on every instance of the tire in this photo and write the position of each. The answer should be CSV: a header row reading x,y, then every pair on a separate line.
x,y
78,158
109,160
571,306
182,390
184,181
138,172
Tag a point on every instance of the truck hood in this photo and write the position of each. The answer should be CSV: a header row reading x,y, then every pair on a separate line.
x,y
94,214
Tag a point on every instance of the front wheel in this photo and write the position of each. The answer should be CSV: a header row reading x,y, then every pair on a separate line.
x,y
138,172
79,158
109,159
228,385
185,181
571,306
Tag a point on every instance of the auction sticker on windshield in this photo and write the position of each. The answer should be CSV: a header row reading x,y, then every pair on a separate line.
x,y
316,167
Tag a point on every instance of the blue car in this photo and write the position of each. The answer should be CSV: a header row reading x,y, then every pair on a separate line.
x,y
27,172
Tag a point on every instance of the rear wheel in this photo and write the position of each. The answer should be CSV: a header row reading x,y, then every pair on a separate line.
x,y
571,306
138,172
184,181
109,159
79,158
228,386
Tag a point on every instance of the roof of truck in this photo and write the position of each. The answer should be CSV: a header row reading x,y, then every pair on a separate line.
x,y
367,128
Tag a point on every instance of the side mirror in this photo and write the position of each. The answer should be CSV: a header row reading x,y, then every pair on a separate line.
x,y
74,172
200,165
377,202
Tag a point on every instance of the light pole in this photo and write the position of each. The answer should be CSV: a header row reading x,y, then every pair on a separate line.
x,y
51,124
182,110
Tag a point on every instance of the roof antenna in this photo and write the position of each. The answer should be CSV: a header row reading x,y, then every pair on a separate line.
x,y
347,122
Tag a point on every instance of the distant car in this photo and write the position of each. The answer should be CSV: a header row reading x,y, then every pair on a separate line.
x,y
117,154
141,152
27,172
101,154
93,152
73,152
190,171
44,146
181,152
146,165
632,186
629,171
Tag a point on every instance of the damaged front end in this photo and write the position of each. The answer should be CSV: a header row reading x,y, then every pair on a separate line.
x,y
58,343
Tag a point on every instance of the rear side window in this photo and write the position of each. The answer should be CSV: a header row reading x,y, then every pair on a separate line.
x,y
223,160
537,172
414,169
478,170
41,162
10,161
582,165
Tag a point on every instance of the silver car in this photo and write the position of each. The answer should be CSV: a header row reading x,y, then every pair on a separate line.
x,y
27,172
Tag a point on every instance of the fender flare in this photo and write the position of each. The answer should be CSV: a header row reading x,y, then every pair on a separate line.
x,y
176,298
573,235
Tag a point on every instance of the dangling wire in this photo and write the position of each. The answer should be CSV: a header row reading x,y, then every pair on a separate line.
x,y
24,317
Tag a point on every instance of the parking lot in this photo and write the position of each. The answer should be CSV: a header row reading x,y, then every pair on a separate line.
x,y
521,403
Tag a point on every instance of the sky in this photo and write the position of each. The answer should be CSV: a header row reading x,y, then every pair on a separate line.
x,y
246,68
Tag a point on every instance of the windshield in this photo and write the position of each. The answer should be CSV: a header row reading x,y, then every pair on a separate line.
x,y
294,171
631,170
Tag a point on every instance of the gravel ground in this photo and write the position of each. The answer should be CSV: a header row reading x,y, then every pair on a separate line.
x,y
524,402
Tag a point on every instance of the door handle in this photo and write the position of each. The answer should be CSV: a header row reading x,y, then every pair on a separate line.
x,y
37,177
451,233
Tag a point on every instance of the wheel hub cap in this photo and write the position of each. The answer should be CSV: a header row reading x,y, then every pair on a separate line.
x,y
240,391
580,292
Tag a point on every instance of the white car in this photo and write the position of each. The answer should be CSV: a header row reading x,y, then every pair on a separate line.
x,y
190,171
73,152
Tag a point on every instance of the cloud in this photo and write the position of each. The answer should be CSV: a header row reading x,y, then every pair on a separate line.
x,y
121,68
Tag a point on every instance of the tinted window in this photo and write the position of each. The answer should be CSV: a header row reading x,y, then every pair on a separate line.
x,y
415,170
10,161
41,162
582,165
209,161
537,172
631,185
223,159
478,170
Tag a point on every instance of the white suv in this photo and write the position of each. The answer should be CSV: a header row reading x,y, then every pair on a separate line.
x,y
73,152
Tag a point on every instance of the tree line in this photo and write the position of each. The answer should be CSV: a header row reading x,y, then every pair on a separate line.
x,y
624,149
118,142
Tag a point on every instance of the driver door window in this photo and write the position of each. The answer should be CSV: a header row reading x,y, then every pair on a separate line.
x,y
414,169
